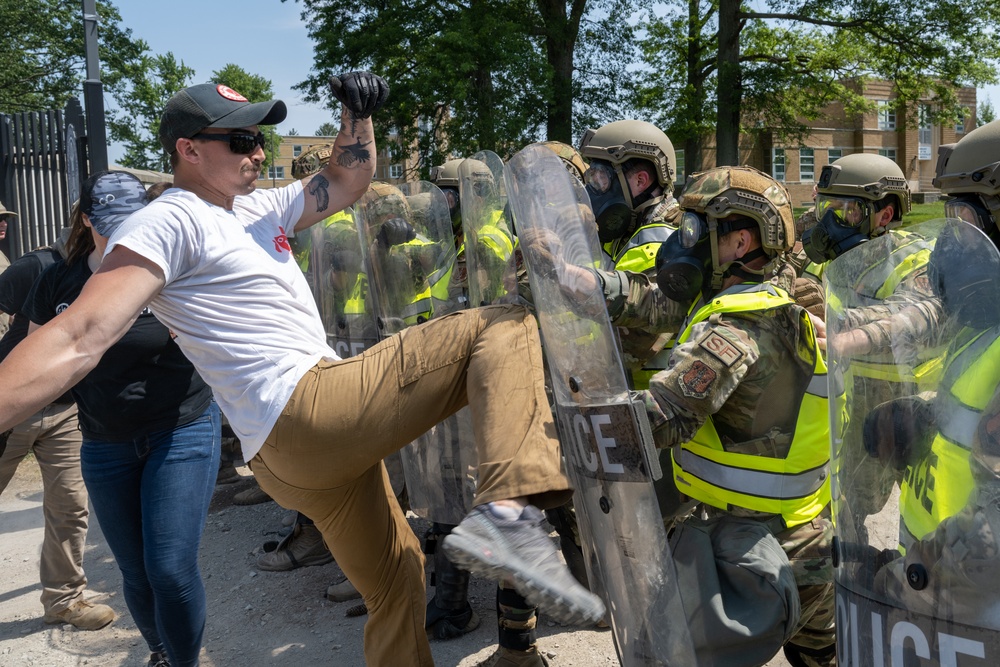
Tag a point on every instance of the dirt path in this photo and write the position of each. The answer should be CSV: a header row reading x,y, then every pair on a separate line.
x,y
255,618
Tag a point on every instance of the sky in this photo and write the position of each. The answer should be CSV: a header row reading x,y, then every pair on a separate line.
x,y
264,37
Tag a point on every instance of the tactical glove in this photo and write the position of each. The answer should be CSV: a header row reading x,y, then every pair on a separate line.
x,y
809,294
899,432
362,93
395,231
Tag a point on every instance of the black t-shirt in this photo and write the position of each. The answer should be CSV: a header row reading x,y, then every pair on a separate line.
x,y
142,384
15,284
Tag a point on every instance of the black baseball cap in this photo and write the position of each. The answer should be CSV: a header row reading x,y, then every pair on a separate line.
x,y
213,105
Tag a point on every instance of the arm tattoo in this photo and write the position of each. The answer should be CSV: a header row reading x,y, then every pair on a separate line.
x,y
353,153
319,188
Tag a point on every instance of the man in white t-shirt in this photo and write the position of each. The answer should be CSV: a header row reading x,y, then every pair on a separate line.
x,y
211,258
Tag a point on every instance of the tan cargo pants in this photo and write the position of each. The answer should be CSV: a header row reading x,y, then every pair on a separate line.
x,y
323,457
53,434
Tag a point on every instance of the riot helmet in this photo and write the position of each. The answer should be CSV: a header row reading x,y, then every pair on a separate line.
x,y
387,214
615,150
570,157
446,177
969,172
311,160
715,203
851,192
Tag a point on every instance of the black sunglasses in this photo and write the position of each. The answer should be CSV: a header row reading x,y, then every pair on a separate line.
x,y
239,143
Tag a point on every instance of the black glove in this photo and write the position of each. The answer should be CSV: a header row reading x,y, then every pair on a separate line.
x,y
395,231
899,432
363,93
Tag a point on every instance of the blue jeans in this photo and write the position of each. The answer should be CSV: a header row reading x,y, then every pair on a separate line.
x,y
151,498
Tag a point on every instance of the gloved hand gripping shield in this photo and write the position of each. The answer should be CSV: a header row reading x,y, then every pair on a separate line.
x,y
410,252
606,439
918,583
489,230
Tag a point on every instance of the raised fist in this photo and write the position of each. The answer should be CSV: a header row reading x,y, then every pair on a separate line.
x,y
395,231
362,93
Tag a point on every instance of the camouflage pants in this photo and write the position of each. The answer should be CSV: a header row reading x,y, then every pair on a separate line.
x,y
809,550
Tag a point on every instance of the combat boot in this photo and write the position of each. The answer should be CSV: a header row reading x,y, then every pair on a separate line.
x,y
304,546
449,613
516,621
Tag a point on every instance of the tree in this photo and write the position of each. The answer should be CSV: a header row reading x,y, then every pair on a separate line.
x,y
256,89
42,62
136,122
327,130
465,76
986,113
782,65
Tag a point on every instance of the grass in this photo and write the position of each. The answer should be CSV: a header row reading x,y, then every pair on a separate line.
x,y
919,212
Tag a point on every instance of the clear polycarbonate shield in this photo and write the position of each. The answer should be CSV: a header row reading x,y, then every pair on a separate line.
x,y
440,466
335,270
914,362
605,435
489,231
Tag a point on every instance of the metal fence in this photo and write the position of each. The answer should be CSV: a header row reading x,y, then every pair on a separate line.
x,y
41,154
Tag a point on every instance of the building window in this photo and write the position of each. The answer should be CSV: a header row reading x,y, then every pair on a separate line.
x,y
834,154
395,171
925,134
296,150
960,125
886,116
679,167
778,164
807,165
273,173
888,152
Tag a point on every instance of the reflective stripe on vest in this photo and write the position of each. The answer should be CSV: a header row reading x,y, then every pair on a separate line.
x,y
938,486
639,254
798,486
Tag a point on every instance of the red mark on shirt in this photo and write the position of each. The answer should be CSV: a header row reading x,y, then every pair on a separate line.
x,y
281,241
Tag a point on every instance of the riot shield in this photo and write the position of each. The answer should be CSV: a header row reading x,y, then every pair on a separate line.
x,y
606,440
489,234
918,581
410,252
335,270
446,455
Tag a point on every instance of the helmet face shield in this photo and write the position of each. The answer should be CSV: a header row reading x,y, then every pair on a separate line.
x,y
849,212
600,177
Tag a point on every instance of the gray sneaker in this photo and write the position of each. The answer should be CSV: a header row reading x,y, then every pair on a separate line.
x,y
519,550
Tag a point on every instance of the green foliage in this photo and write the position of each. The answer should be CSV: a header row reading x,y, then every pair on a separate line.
x,y
985,113
796,58
153,81
42,60
476,74
256,89
327,130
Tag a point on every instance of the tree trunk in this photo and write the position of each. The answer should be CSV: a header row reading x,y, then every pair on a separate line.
x,y
561,31
727,131
696,88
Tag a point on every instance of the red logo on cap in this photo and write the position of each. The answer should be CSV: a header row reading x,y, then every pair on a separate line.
x,y
230,94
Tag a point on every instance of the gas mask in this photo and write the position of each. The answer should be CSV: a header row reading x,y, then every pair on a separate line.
x,y
962,270
684,261
971,209
610,204
454,208
844,223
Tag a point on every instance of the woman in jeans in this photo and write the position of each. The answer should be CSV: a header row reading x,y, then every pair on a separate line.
x,y
151,439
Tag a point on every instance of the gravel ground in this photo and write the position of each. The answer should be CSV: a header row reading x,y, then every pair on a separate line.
x,y
255,618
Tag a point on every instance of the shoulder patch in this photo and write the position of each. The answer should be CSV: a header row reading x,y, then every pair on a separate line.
x,y
698,379
722,348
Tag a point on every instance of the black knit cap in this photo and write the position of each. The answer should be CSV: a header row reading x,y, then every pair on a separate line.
x,y
213,105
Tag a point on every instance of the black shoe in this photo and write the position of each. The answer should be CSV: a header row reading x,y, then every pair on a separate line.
x,y
158,659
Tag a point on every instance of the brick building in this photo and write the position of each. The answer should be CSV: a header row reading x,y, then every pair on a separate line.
x,y
882,131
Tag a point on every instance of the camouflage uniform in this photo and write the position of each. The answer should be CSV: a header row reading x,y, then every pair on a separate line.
x,y
774,362
805,222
